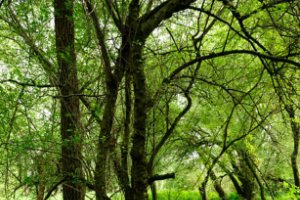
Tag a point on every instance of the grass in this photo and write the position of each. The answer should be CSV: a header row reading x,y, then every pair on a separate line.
x,y
177,195
183,195
189,195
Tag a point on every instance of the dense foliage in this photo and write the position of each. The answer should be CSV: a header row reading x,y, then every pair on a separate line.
x,y
152,99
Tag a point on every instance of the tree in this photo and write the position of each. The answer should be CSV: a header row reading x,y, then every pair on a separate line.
x,y
69,112
134,76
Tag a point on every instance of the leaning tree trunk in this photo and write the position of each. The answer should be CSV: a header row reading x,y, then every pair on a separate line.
x,y
105,144
112,80
217,185
296,136
66,58
289,108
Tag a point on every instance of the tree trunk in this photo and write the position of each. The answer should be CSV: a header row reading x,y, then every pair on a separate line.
x,y
202,191
217,185
252,169
66,58
245,176
41,185
153,191
295,130
139,175
105,143
124,175
40,191
236,184
100,173
284,98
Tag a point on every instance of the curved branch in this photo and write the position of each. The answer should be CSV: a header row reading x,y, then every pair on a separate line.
x,y
54,187
227,53
165,10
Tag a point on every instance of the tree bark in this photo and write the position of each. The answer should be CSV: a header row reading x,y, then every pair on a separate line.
x,y
139,174
295,130
66,58
105,145
153,191
289,108
235,182
106,142
137,31
124,176
245,176
218,186
130,59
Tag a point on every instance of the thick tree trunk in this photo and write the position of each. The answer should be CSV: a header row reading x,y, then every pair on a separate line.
x,y
71,145
139,175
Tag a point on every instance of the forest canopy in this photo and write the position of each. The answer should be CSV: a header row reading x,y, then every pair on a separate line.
x,y
149,99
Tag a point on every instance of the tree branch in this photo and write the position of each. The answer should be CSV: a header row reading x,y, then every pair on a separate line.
x,y
165,10
227,53
48,66
1,3
114,16
158,177
101,43
31,83
67,178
